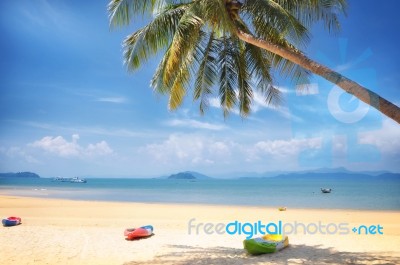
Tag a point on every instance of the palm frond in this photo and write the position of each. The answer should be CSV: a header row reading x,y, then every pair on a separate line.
x,y
245,93
206,72
215,14
268,15
288,69
179,86
157,82
174,74
268,61
176,86
273,96
121,11
310,11
183,43
228,74
155,36
259,66
258,63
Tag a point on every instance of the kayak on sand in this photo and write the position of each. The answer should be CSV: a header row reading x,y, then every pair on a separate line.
x,y
137,233
266,244
11,221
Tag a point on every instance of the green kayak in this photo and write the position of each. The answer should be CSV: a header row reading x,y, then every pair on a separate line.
x,y
265,244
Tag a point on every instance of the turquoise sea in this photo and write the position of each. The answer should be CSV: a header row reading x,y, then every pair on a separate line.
x,y
373,194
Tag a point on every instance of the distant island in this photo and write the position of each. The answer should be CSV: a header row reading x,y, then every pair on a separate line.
x,y
188,175
182,176
339,175
319,173
19,175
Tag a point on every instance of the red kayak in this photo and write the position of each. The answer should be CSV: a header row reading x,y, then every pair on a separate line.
x,y
11,221
136,233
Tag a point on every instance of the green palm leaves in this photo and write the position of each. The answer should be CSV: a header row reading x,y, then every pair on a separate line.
x,y
202,54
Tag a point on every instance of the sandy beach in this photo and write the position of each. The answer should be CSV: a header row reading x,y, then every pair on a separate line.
x,y
57,231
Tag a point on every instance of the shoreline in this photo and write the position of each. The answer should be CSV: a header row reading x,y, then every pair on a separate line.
x,y
6,193
60,231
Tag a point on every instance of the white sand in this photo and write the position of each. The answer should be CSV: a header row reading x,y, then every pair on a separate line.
x,y
73,232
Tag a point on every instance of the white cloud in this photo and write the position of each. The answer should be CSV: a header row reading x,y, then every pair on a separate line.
x,y
47,15
117,100
285,90
18,153
100,148
118,132
61,147
58,145
220,148
282,148
307,89
191,123
188,149
387,139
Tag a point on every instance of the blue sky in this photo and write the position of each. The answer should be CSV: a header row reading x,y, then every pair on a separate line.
x,y
68,106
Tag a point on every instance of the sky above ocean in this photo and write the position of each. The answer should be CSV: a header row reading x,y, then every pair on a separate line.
x,y
69,107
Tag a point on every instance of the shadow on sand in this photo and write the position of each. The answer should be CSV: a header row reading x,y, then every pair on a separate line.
x,y
294,254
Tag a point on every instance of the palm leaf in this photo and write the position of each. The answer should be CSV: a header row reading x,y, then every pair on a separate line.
x,y
121,11
206,72
157,82
183,43
155,36
259,68
227,79
288,69
245,94
176,66
310,11
267,15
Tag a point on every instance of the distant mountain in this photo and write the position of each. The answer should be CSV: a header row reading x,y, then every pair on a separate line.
x,y
188,175
319,171
394,176
340,175
344,170
315,175
19,175
182,176
249,174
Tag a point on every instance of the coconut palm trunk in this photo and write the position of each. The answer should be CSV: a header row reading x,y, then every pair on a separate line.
x,y
369,97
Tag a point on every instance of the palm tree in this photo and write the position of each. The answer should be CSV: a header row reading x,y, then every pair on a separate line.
x,y
232,46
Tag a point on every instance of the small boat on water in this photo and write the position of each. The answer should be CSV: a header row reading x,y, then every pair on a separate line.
x,y
73,180
61,179
78,180
11,221
324,190
137,233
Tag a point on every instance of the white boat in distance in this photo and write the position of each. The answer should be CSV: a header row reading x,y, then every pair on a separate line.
x,y
73,180
78,180
326,190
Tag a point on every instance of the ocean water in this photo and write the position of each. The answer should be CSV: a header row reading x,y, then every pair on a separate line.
x,y
373,194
